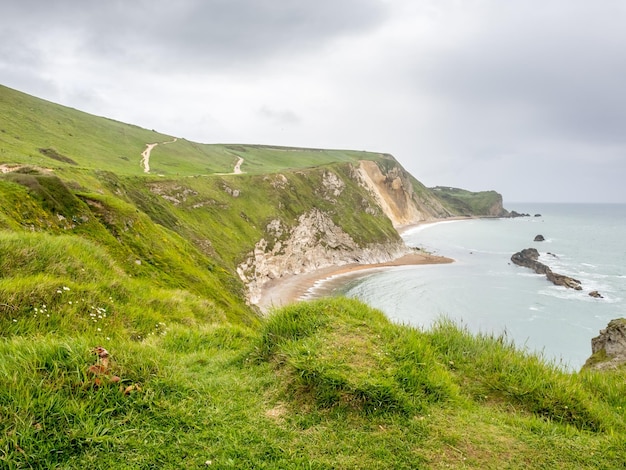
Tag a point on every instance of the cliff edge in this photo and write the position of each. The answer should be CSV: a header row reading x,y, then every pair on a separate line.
x,y
608,349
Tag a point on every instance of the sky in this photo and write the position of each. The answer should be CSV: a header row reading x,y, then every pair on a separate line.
x,y
525,97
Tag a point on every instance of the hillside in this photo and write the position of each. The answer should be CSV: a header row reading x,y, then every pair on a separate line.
x,y
461,201
160,260
40,133
68,172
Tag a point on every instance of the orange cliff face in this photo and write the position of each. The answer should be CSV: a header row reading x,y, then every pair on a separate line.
x,y
396,195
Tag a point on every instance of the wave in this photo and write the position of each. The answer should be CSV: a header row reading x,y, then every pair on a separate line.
x,y
423,226
528,274
582,296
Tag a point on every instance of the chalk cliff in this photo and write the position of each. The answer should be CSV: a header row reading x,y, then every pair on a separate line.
x,y
317,240
396,192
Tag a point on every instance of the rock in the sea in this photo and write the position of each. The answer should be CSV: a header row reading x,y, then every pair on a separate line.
x,y
529,257
539,238
561,280
609,347
537,215
596,294
514,214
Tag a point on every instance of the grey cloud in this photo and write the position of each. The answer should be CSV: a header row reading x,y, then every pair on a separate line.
x,y
284,116
196,33
556,64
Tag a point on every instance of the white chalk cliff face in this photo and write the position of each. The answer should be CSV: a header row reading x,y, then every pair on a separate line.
x,y
316,241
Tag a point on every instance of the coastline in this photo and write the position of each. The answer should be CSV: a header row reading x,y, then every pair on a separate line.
x,y
289,289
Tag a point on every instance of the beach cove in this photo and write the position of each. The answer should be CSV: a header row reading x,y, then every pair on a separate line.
x,y
481,289
288,289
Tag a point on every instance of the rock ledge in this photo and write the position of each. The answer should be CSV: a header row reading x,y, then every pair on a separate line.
x,y
609,347
528,258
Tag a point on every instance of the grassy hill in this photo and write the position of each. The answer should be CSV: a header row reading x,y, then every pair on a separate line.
x,y
464,202
40,133
95,252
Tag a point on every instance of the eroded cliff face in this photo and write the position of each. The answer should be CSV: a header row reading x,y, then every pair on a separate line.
x,y
396,195
315,241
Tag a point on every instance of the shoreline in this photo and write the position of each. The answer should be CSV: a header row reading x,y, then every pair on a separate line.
x,y
290,289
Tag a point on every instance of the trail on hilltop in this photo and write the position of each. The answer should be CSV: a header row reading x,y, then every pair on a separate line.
x,y
145,155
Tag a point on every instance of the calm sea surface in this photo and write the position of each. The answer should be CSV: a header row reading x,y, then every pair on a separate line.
x,y
485,292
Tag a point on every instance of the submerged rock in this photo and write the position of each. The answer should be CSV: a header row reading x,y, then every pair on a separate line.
x,y
539,238
595,294
608,349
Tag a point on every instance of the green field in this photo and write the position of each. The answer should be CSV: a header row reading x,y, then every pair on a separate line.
x,y
40,133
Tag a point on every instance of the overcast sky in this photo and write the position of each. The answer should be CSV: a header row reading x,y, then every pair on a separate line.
x,y
527,97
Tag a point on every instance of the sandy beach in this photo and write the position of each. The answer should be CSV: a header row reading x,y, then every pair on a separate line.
x,y
285,290
289,289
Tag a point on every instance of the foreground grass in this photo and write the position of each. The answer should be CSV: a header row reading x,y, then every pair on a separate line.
x,y
328,384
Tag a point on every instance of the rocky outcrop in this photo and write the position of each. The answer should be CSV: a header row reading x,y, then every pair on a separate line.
x,y
529,258
468,203
609,347
315,242
565,281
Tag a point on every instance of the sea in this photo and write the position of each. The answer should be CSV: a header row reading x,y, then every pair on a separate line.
x,y
485,292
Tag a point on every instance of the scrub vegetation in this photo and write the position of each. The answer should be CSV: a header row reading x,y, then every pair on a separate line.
x,y
126,341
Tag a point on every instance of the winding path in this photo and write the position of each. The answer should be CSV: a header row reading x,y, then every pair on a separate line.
x,y
145,155
237,169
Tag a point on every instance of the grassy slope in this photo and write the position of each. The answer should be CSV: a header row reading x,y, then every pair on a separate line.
x,y
328,384
98,253
37,132
463,202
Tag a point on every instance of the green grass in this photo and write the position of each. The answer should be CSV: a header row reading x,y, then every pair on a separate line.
x,y
462,202
327,384
43,134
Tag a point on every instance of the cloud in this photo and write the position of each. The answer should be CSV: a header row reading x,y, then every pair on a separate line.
x,y
281,117
556,70
192,33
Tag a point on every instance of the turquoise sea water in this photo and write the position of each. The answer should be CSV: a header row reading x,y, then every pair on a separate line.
x,y
484,291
